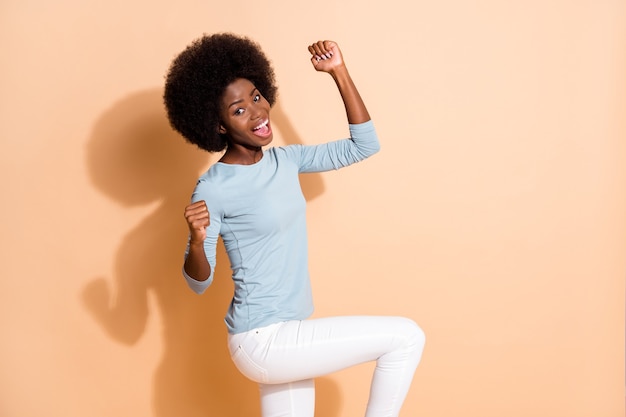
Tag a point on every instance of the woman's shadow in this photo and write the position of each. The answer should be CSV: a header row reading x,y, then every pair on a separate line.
x,y
135,158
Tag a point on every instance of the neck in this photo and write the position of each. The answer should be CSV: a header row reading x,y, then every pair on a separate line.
x,y
245,156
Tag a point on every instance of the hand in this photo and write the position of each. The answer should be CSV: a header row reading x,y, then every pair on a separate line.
x,y
325,56
197,215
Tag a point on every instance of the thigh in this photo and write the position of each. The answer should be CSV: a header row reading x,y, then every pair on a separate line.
x,y
294,399
307,349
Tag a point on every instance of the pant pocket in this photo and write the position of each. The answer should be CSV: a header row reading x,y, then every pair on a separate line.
x,y
248,367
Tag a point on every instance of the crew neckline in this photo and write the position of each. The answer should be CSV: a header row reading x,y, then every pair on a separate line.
x,y
243,165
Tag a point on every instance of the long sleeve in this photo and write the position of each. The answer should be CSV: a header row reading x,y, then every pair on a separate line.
x,y
210,243
362,144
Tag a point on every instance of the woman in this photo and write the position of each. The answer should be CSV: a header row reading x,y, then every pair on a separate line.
x,y
219,92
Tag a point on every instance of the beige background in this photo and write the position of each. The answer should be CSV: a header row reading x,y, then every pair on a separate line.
x,y
494,215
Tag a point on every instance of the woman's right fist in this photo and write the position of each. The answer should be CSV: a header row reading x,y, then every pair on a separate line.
x,y
197,216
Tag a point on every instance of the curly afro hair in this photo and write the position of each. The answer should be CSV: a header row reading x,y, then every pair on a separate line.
x,y
198,77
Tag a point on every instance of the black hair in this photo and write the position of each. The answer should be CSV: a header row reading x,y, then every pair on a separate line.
x,y
198,76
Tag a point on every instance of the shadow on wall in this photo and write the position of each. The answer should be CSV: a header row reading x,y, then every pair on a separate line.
x,y
135,158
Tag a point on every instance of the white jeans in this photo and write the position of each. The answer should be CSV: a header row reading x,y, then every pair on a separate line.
x,y
284,358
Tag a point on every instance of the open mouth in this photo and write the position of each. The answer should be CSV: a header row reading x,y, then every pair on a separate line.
x,y
263,129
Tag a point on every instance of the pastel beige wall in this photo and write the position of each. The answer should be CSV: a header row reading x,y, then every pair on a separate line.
x,y
494,215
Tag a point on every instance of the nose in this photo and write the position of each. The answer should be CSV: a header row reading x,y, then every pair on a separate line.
x,y
256,112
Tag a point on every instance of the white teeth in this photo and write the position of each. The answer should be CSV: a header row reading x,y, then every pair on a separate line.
x,y
261,125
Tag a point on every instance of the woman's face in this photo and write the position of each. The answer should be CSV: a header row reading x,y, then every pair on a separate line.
x,y
244,116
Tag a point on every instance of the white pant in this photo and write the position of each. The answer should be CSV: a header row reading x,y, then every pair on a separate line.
x,y
285,357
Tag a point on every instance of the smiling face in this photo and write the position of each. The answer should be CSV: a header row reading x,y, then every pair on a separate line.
x,y
244,118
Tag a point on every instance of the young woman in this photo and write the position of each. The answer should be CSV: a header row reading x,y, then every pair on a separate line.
x,y
219,93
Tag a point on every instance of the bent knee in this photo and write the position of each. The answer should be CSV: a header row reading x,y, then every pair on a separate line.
x,y
414,333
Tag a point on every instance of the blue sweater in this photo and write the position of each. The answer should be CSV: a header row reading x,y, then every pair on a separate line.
x,y
259,211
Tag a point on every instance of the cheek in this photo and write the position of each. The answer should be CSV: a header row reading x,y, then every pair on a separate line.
x,y
237,128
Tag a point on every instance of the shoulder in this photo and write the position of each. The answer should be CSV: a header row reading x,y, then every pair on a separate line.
x,y
288,154
208,186
286,151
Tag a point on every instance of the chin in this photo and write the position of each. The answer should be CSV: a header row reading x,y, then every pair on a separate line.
x,y
267,140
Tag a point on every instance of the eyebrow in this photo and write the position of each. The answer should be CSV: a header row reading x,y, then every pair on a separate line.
x,y
254,89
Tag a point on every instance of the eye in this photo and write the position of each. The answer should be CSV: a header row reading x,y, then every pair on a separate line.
x,y
238,111
257,98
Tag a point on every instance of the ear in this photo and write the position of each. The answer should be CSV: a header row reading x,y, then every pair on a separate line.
x,y
221,129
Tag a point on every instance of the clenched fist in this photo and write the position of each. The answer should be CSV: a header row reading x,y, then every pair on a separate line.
x,y
197,216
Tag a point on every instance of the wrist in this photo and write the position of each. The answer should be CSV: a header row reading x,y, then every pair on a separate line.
x,y
340,73
196,243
